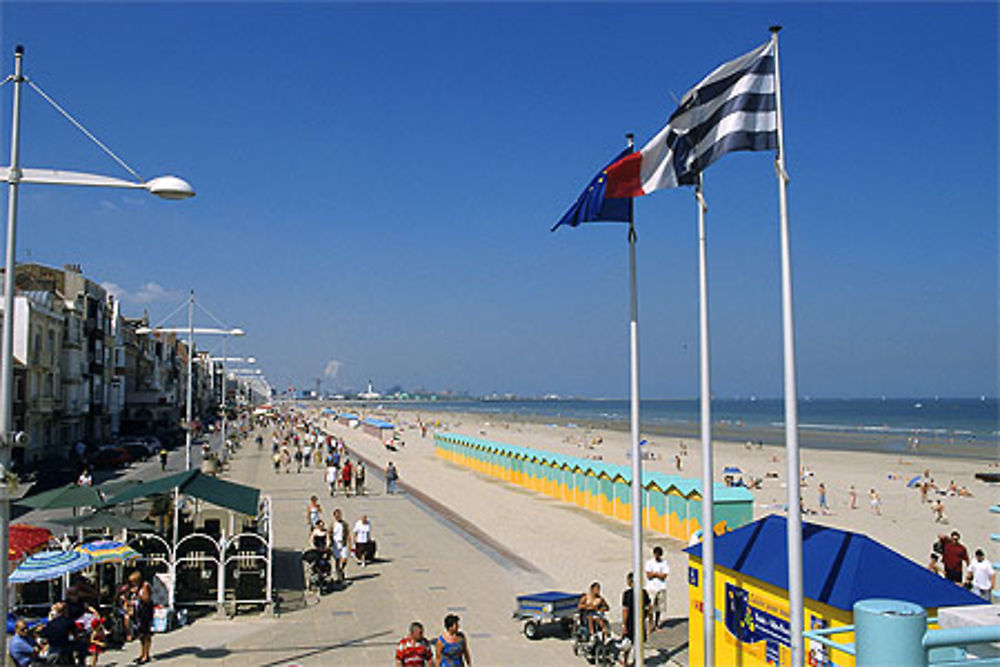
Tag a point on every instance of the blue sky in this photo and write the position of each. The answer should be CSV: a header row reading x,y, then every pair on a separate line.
x,y
376,184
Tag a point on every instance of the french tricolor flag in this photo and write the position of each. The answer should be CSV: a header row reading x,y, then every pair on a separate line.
x,y
732,109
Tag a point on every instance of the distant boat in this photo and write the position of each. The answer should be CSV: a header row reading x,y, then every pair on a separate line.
x,y
918,405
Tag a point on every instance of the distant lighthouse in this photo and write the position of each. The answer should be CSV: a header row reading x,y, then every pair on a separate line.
x,y
371,393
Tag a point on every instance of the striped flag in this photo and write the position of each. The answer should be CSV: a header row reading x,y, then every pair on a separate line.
x,y
732,109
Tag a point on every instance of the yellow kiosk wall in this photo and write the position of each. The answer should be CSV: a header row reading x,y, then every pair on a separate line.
x,y
770,601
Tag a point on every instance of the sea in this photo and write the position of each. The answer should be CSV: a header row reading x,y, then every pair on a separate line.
x,y
956,427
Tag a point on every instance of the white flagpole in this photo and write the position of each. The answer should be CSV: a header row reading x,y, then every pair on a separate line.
x,y
796,616
707,464
638,574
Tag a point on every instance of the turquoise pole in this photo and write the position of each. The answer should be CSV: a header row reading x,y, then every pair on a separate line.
x,y
889,632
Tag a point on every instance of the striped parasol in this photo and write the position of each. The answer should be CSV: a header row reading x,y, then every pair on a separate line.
x,y
108,551
47,565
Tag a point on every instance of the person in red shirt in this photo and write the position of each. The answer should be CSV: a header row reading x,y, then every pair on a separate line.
x,y
346,476
413,650
953,557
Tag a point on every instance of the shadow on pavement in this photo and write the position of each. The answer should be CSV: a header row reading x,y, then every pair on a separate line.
x,y
315,650
194,651
289,580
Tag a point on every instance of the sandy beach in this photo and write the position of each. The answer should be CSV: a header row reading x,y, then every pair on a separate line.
x,y
574,547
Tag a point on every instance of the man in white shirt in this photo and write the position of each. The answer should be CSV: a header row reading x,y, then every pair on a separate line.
x,y
657,572
981,575
362,540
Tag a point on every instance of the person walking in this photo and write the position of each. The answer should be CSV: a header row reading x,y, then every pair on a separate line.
x,y
298,460
981,577
346,473
363,541
852,493
954,556
163,458
359,479
875,502
824,506
331,478
314,513
341,543
452,648
391,475
630,618
414,650
657,572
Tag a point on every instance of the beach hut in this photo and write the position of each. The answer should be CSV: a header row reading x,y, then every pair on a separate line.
x,y
622,490
579,485
605,493
378,428
348,419
840,568
655,502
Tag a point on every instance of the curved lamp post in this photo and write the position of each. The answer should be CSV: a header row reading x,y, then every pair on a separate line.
x,y
166,187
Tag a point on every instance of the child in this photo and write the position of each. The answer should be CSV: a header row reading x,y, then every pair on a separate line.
x,y
934,566
98,640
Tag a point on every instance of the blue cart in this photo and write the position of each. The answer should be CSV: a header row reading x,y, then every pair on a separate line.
x,y
550,607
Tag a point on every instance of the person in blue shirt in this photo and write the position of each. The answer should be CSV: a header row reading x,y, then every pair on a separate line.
x,y
23,649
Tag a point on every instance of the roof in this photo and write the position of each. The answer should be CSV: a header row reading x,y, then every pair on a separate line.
x,y
347,415
377,423
839,567
237,497
686,486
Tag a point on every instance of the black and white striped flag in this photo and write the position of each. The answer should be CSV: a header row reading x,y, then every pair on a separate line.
x,y
732,109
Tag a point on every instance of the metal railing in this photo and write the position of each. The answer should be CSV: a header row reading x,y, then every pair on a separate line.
x,y
942,647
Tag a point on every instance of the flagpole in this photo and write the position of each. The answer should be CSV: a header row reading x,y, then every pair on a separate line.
x,y
707,463
796,616
638,574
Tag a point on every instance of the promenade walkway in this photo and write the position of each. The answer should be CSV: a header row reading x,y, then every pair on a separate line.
x,y
431,562
427,567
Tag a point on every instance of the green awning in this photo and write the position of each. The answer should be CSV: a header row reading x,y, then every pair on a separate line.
x,y
233,496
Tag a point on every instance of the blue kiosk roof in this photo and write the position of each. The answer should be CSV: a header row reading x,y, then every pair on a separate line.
x,y
377,423
839,567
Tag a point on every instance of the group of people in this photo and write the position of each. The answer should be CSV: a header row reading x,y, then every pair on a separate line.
x,y
950,558
593,606
341,472
337,539
449,649
75,629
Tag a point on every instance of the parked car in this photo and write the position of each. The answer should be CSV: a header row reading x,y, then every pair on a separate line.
x,y
137,451
152,442
109,457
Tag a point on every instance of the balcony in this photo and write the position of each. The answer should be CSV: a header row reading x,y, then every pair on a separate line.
x,y
41,404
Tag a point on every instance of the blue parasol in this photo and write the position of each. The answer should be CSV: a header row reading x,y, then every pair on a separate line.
x,y
913,482
47,565
732,470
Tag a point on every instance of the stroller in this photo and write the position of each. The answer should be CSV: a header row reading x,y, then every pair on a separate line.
x,y
318,570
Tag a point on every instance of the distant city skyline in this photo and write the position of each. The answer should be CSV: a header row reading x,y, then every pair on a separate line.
x,y
376,184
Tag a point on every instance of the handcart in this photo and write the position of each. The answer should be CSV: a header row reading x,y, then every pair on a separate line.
x,y
548,608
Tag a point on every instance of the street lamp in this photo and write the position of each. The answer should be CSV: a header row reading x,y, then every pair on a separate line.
x,y
224,359
166,187
191,330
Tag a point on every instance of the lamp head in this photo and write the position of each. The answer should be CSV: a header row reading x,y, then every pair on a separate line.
x,y
237,332
170,187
